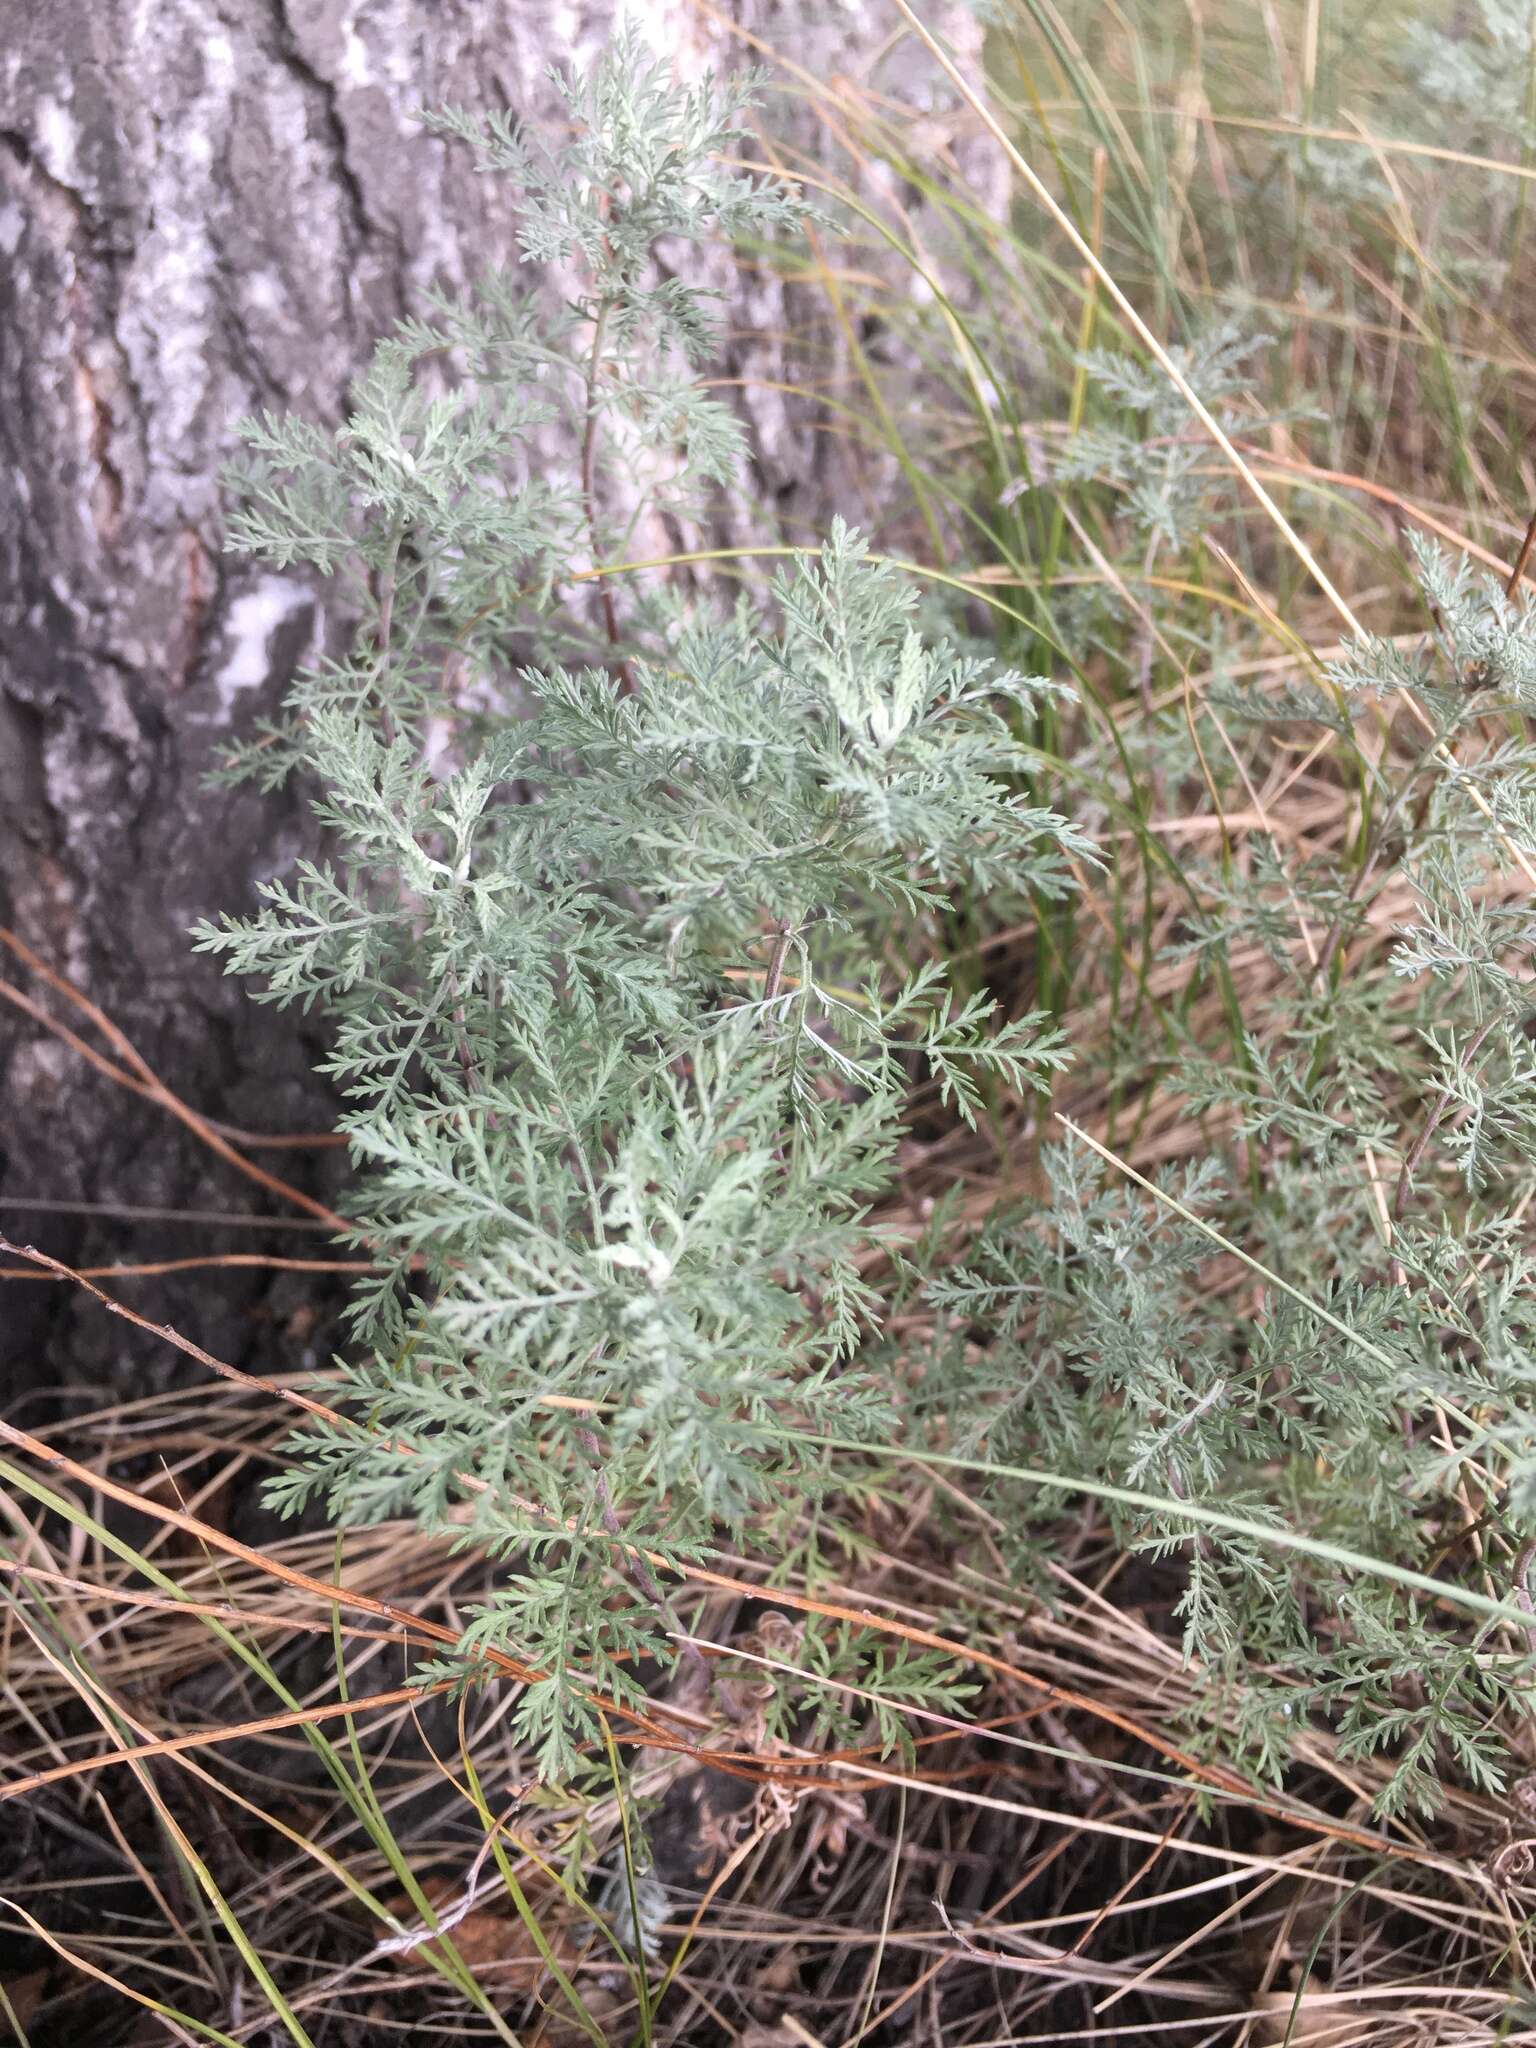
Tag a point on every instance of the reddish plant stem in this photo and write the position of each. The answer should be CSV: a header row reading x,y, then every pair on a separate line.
x,y
622,669
1431,1125
633,1559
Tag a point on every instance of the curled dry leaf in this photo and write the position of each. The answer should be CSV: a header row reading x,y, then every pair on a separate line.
x,y
1513,1864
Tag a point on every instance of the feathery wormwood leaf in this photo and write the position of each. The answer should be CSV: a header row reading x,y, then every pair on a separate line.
x,y
1160,466
598,1158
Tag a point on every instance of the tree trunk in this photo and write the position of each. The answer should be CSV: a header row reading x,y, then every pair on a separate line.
x,y
209,207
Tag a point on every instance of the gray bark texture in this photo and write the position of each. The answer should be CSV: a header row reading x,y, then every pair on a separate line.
x,y
209,207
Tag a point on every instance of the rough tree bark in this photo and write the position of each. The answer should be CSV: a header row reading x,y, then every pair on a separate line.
x,y
208,207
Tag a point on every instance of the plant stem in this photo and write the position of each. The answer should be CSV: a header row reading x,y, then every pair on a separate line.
x,y
1522,558
1432,1124
776,963
633,1559
622,668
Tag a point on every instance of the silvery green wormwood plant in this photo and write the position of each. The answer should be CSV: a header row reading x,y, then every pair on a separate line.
x,y
610,867
595,934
